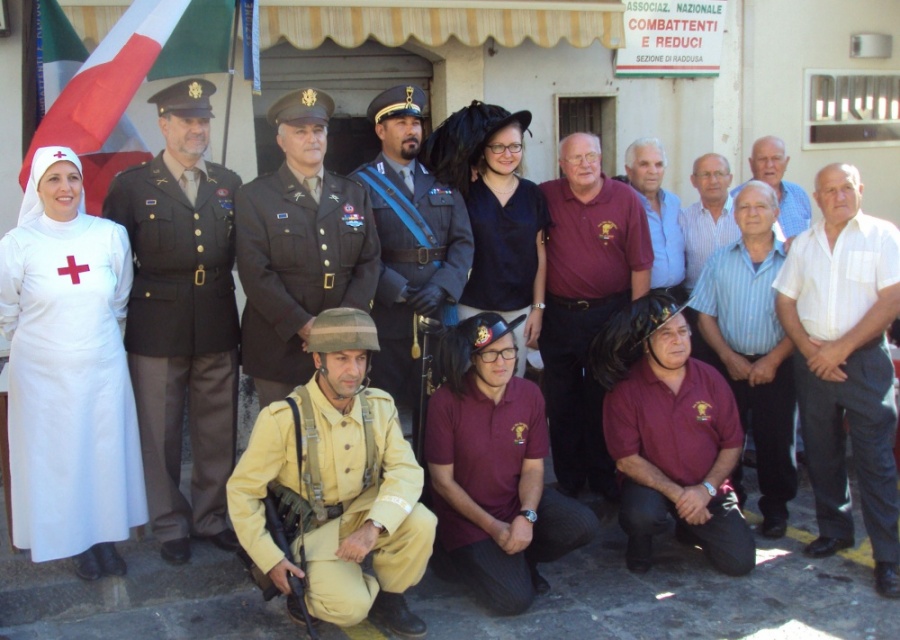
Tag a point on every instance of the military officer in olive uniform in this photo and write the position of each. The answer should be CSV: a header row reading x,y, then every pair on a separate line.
x,y
182,332
306,242
426,249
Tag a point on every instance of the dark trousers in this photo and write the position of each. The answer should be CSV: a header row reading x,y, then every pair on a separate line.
x,y
503,581
726,539
209,385
866,400
768,410
395,371
574,398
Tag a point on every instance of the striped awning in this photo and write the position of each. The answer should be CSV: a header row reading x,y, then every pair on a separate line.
x,y
306,23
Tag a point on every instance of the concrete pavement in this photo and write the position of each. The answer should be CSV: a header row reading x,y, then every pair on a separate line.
x,y
787,596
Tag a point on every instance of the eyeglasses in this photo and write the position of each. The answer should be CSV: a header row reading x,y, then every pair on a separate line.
x,y
491,356
591,158
706,175
499,149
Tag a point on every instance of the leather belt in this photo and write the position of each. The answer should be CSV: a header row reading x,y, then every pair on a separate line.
x,y
577,305
198,276
422,255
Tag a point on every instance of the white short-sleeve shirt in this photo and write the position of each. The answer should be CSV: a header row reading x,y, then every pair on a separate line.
x,y
834,290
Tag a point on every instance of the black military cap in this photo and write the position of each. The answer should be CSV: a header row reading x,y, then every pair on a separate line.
x,y
404,100
188,99
304,106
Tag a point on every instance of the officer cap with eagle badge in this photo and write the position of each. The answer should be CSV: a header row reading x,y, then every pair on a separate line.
x,y
186,99
304,106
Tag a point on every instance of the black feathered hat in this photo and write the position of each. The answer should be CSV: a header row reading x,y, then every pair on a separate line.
x,y
618,344
455,145
460,343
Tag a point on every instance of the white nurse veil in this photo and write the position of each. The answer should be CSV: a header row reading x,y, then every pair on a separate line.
x,y
44,158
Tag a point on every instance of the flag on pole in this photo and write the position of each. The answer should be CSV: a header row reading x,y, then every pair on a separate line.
x,y
87,111
250,15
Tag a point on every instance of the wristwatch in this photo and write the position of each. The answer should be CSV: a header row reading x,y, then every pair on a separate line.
x,y
711,489
538,305
529,515
377,525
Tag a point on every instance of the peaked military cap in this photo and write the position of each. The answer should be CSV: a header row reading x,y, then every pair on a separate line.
x,y
304,106
188,99
403,100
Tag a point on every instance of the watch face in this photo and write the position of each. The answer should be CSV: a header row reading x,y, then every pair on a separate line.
x,y
531,516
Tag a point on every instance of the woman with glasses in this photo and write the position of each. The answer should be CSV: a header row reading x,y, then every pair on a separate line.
x,y
479,150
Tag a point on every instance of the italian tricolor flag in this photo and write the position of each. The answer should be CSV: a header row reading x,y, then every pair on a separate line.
x,y
86,97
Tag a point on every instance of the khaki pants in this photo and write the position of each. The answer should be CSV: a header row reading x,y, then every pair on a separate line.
x,y
340,593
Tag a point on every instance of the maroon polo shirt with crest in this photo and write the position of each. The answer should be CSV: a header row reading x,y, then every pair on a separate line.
x,y
486,444
681,434
593,247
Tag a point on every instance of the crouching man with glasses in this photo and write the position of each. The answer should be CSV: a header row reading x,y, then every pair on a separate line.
x,y
485,445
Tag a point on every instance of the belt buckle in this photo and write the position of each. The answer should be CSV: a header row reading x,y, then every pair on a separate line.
x,y
329,281
583,305
422,257
200,277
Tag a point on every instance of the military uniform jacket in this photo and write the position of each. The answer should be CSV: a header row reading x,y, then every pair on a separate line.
x,y
175,308
295,259
445,212
271,457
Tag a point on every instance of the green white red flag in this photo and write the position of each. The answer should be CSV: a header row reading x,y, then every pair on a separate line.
x,y
86,97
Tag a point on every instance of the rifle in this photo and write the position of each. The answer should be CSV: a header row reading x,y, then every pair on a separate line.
x,y
276,530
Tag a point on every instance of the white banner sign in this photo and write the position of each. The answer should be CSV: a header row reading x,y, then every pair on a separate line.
x,y
672,39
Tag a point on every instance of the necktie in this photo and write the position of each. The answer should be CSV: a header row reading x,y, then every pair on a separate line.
x,y
406,174
312,185
189,177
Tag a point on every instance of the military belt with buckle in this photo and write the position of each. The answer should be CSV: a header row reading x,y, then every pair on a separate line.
x,y
421,255
329,281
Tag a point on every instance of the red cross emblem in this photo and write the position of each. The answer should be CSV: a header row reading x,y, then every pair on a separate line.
x,y
59,154
73,270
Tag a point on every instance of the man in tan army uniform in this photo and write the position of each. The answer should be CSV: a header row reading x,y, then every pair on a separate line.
x,y
383,518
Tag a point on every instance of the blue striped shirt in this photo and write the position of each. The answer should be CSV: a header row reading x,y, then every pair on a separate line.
x,y
794,210
741,297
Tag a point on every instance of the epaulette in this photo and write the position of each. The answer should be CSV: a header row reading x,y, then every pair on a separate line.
x,y
132,168
377,394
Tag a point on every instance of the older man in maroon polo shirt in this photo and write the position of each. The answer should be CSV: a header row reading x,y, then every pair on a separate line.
x,y
599,257
673,428
485,445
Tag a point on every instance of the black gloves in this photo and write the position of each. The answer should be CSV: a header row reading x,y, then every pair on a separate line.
x,y
427,299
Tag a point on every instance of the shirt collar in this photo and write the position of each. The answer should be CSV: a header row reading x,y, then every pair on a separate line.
x,y
177,169
726,209
396,166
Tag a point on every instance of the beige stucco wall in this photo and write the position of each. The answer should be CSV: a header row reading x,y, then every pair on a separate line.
x,y
781,41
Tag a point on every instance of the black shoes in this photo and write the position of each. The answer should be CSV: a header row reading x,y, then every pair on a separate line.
x,y
773,528
176,552
295,612
823,546
226,540
391,611
639,555
102,559
887,579
87,567
111,563
539,582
